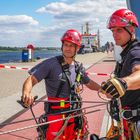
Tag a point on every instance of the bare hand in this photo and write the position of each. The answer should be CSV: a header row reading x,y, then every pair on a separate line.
x,y
27,99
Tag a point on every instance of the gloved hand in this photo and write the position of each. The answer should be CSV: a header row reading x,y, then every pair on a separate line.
x,y
116,87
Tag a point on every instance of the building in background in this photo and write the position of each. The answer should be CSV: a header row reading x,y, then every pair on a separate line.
x,y
89,41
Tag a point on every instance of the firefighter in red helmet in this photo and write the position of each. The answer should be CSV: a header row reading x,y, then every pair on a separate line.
x,y
127,20
74,37
125,86
63,77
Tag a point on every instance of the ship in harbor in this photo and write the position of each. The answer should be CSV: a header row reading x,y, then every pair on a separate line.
x,y
90,42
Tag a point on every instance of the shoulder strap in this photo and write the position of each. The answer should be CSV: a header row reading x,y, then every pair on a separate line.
x,y
79,71
60,60
65,73
117,69
129,47
64,78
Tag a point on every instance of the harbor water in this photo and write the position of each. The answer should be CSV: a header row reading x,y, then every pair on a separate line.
x,y
7,57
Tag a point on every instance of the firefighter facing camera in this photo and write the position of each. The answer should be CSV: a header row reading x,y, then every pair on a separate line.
x,y
64,78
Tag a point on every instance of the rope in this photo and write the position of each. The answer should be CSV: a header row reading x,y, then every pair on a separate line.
x,y
62,128
3,124
56,101
37,125
121,120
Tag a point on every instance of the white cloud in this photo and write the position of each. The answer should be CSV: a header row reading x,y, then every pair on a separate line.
x,y
74,15
17,20
65,15
16,30
89,10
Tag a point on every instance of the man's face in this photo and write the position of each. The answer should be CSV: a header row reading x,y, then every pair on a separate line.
x,y
120,35
69,49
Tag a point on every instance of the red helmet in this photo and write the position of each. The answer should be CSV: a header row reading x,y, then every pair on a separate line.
x,y
72,36
122,18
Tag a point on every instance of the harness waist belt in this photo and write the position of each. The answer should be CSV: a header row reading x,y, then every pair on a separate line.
x,y
130,113
59,105
51,108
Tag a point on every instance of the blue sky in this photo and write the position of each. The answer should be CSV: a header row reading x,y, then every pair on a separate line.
x,y
43,22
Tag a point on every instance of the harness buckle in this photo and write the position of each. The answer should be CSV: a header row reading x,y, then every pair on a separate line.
x,y
62,103
128,114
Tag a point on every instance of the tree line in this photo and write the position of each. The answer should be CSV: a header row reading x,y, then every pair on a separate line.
x,y
3,48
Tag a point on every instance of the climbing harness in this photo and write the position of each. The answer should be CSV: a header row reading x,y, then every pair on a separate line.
x,y
77,127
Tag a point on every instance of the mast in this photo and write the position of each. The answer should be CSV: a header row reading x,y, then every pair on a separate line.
x,y
98,38
87,28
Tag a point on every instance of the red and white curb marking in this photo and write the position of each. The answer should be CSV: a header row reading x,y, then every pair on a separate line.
x,y
12,67
20,68
100,74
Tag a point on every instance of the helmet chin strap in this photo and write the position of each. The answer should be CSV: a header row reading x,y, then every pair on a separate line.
x,y
126,29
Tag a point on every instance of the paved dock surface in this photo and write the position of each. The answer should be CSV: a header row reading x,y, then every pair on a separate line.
x,y
95,63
